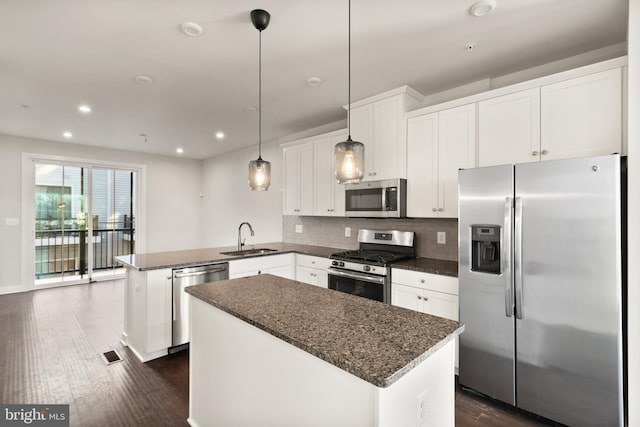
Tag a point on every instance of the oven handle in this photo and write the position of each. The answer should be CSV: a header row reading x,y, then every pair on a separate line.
x,y
352,275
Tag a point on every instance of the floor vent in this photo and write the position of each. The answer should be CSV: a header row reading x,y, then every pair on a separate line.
x,y
110,357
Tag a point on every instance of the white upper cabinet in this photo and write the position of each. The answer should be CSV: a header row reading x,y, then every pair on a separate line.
x,y
509,129
438,145
328,194
379,124
582,116
298,179
576,117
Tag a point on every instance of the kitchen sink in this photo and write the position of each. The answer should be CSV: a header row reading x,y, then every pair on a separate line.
x,y
256,251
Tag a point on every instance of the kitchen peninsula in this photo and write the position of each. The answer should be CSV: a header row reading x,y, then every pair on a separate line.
x,y
270,351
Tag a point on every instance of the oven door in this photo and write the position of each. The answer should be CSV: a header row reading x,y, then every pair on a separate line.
x,y
365,285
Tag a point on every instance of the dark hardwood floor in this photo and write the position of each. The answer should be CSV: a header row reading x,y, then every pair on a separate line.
x,y
51,353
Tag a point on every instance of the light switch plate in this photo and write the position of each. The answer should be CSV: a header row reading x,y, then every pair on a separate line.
x,y
347,232
11,221
442,237
298,228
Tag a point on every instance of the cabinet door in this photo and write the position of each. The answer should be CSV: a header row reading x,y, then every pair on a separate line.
x,y
159,313
582,116
291,180
306,275
362,131
422,166
389,152
456,150
509,129
329,195
298,179
440,304
286,271
406,297
305,177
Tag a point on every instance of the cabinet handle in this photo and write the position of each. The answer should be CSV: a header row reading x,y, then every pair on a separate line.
x,y
534,153
259,271
421,280
426,299
419,297
374,174
169,277
440,209
544,152
433,209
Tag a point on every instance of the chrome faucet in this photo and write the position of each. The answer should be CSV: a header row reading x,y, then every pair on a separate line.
x,y
240,239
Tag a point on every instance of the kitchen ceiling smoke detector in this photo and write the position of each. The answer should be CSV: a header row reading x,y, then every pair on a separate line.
x,y
348,156
191,29
483,7
260,170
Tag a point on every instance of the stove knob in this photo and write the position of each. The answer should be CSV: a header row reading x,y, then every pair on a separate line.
x,y
334,263
366,268
341,264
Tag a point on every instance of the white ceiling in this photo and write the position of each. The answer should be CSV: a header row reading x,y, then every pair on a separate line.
x,y
57,54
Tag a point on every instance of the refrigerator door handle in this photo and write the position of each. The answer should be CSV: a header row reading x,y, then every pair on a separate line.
x,y
517,262
506,257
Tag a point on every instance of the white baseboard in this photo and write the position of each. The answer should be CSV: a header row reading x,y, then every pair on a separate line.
x,y
13,289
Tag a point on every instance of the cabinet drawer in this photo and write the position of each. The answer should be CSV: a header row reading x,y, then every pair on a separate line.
x,y
259,263
312,261
431,282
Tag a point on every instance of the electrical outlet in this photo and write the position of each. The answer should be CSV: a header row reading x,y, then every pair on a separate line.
x,y
298,228
347,232
421,409
442,237
11,221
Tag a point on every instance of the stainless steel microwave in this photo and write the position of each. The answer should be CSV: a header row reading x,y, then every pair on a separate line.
x,y
377,199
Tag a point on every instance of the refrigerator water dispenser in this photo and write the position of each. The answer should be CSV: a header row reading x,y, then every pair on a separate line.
x,y
485,248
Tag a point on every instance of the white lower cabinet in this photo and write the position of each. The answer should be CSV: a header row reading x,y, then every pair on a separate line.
x,y
279,265
312,270
148,312
427,293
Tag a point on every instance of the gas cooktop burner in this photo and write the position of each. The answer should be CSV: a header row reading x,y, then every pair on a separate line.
x,y
371,256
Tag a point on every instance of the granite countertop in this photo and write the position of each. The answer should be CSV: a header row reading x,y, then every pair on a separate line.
x,y
429,265
176,259
376,342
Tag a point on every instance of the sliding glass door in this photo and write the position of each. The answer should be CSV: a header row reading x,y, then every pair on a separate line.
x,y
84,217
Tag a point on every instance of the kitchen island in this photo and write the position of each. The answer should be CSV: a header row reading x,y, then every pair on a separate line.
x,y
275,352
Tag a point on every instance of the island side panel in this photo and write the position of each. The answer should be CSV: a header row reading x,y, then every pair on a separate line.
x,y
425,396
240,375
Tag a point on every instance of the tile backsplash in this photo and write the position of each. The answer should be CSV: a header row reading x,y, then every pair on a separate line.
x,y
330,231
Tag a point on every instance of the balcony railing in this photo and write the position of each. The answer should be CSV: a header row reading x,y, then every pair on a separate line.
x,y
66,251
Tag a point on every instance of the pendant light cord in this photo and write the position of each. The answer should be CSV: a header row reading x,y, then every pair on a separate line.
x,y
349,78
260,98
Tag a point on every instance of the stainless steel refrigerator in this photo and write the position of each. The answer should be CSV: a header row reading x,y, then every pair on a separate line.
x,y
541,287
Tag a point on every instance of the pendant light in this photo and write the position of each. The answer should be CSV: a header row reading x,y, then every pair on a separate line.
x,y
349,155
260,170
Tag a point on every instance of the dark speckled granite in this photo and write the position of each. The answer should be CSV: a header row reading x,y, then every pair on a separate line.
x,y
373,341
176,259
428,265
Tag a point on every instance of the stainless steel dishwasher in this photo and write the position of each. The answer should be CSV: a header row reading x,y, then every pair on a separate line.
x,y
183,277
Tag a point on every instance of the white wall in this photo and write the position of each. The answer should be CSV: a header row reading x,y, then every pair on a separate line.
x,y
633,292
173,205
228,200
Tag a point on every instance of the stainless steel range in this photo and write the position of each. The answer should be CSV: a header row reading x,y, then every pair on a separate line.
x,y
366,272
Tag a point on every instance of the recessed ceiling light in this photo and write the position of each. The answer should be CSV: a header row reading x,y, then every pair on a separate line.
x,y
250,109
191,29
67,134
143,80
470,46
219,135
179,150
483,7
314,81
84,108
